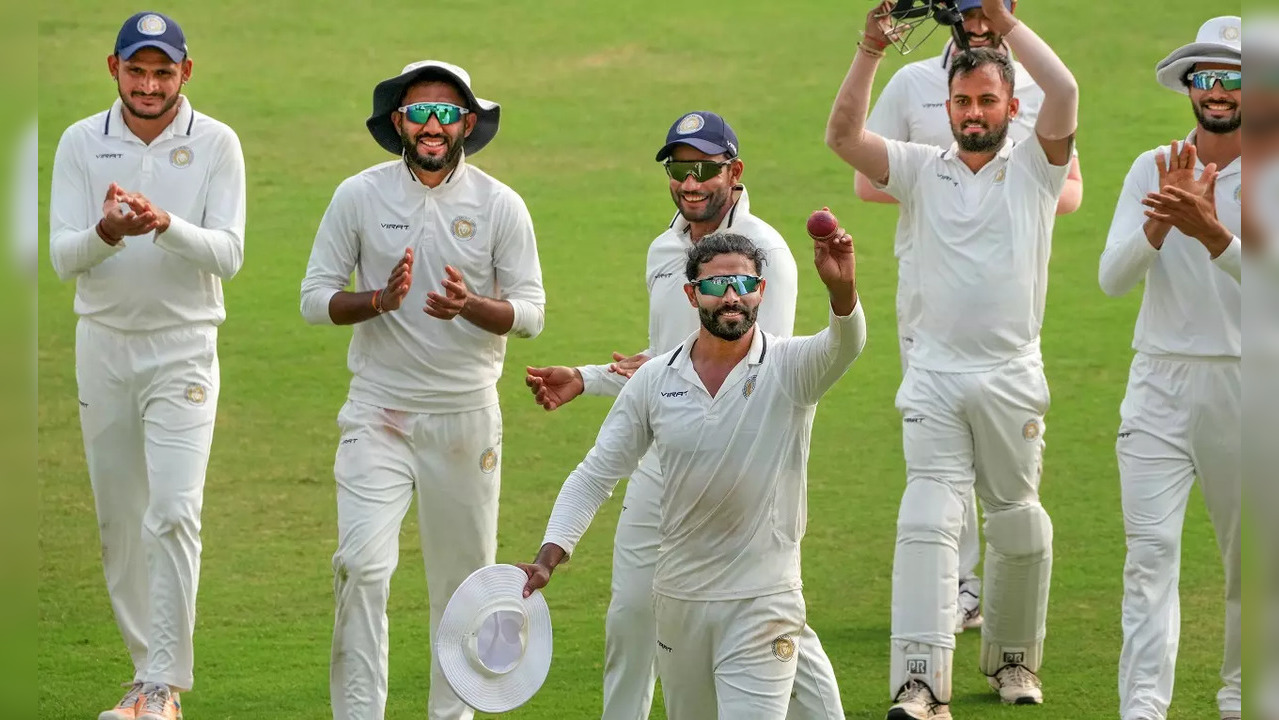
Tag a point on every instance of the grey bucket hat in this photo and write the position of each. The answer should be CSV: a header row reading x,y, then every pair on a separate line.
x,y
1218,41
387,94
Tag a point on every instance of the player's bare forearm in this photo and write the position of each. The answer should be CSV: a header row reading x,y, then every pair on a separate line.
x,y
550,556
1072,195
495,316
867,192
1058,114
349,308
846,132
843,298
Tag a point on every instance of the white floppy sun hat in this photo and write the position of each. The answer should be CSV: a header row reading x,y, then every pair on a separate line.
x,y
1220,40
493,644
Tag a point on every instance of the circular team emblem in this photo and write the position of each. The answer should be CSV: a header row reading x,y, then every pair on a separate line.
x,y
195,394
1239,194
1030,431
999,176
690,124
181,157
463,228
152,25
1230,33
749,387
488,460
784,648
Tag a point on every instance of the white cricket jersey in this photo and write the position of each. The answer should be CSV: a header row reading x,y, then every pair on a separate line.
x,y
912,108
671,318
734,466
980,248
406,359
1192,302
194,170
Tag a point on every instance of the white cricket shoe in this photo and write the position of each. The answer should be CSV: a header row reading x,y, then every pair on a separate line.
x,y
915,701
1017,685
967,609
1231,715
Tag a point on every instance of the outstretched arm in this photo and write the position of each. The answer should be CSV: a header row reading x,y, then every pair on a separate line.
x,y
1058,116
846,132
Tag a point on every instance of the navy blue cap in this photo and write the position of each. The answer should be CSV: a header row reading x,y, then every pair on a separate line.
x,y
966,5
151,29
703,130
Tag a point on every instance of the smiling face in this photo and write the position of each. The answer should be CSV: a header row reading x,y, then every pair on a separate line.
x,y
731,316
149,82
431,146
981,107
1218,110
703,201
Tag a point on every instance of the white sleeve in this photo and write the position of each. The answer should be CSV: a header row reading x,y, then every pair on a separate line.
x,y
214,242
1030,156
813,364
888,117
518,270
74,245
905,160
781,288
334,255
1128,254
623,439
1231,259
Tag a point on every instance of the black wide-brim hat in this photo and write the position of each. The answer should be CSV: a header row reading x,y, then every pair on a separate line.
x,y
387,95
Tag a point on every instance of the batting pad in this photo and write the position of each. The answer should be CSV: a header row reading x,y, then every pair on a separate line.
x,y
1018,570
916,661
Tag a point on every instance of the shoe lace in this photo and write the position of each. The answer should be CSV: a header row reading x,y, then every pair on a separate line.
x,y
917,689
130,698
1019,676
157,698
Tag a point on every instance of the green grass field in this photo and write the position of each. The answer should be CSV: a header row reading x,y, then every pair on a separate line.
x,y
588,90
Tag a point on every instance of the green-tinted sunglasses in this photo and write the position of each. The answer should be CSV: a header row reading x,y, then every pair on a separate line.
x,y
701,170
446,113
1205,79
719,284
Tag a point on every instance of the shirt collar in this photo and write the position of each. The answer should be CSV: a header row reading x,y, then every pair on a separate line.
x,y
756,355
1235,165
451,181
183,123
741,208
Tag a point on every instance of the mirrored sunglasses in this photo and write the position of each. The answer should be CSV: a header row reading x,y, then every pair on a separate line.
x,y
446,113
717,285
701,170
1205,79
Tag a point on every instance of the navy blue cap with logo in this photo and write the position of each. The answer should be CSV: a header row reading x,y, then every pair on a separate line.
x,y
966,5
151,29
703,130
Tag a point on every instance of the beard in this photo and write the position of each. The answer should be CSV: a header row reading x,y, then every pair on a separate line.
x,y
431,163
1218,126
730,330
988,141
714,204
147,115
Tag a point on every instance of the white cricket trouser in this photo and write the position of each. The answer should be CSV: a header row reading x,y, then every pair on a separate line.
x,y
1180,419
960,432
453,460
147,407
970,533
729,659
630,629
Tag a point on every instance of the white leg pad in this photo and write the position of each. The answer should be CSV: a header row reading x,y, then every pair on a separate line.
x,y
929,663
1018,572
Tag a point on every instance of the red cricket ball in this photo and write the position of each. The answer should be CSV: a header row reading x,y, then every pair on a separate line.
x,y
822,224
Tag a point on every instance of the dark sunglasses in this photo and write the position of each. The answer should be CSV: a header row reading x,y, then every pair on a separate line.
x,y
446,113
717,285
701,170
1205,79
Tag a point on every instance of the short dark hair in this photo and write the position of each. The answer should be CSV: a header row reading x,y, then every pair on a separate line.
x,y
722,243
970,60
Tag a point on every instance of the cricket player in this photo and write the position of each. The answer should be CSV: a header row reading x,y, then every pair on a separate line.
x,y
704,167
426,230
912,108
1177,227
729,415
974,394
146,214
